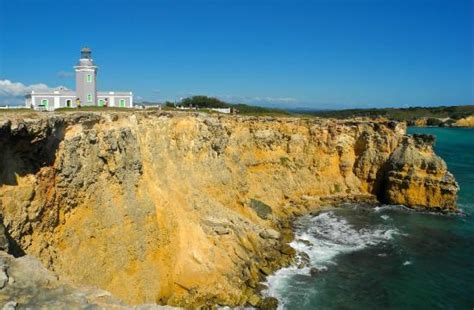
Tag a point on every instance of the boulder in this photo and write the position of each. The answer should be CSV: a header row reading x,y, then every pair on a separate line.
x,y
314,272
269,303
287,249
270,234
263,210
254,300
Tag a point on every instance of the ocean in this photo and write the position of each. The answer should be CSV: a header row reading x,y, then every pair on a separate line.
x,y
388,257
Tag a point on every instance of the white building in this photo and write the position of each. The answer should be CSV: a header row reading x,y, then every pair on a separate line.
x,y
86,93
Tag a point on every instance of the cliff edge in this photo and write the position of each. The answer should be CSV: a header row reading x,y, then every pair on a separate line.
x,y
194,210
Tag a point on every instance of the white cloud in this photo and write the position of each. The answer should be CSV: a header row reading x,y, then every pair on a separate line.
x,y
12,92
259,99
65,74
275,99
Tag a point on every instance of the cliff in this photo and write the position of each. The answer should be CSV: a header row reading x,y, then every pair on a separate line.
x,y
192,209
465,122
417,178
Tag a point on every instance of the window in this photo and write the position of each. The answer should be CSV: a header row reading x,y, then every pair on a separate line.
x,y
122,103
89,78
101,102
45,102
89,98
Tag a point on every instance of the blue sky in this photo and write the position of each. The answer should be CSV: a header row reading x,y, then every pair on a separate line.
x,y
316,54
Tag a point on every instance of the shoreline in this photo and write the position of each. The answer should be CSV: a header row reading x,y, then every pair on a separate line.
x,y
201,201
305,266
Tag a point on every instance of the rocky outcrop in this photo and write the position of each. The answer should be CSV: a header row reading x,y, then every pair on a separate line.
x,y
417,177
465,122
25,283
191,210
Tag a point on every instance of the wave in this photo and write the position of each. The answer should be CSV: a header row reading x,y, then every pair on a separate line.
x,y
318,241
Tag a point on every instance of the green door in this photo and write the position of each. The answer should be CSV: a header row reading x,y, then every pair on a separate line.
x,y
101,102
122,103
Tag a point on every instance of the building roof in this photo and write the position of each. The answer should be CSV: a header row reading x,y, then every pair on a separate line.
x,y
62,92
56,92
114,93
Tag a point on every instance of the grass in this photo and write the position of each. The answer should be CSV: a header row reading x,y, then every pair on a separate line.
x,y
401,114
285,161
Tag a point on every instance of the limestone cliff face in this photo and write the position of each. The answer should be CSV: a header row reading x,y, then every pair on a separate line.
x,y
192,209
417,177
465,122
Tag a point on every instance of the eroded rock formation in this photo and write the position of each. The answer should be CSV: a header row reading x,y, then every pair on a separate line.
x,y
416,177
191,209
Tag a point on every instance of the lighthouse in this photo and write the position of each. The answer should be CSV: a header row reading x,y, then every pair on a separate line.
x,y
86,93
86,77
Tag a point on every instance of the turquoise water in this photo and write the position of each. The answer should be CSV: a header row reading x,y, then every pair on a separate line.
x,y
388,257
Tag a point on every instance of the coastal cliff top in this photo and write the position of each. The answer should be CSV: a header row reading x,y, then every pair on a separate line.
x,y
412,117
114,114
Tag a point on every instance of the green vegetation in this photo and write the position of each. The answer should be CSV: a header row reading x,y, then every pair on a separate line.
x,y
337,188
203,102
210,102
285,161
169,104
257,111
262,209
403,114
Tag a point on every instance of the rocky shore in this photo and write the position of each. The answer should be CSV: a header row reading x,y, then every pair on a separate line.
x,y
187,210
465,122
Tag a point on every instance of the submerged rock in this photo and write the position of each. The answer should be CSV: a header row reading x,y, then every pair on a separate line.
x,y
303,260
314,272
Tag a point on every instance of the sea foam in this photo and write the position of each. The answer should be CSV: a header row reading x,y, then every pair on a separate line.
x,y
322,238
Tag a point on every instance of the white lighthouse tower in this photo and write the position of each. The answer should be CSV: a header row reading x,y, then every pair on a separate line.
x,y
86,93
86,76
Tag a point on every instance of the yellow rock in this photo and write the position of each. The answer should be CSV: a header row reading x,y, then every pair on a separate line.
x,y
156,207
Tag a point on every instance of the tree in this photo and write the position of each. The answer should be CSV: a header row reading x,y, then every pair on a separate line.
x,y
204,102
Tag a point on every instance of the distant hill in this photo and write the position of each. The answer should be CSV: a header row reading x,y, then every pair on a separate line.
x,y
431,116
414,116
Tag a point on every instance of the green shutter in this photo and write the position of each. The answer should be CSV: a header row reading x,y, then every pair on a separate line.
x,y
89,78
89,98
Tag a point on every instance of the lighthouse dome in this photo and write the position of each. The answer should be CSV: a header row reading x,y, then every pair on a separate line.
x,y
86,57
